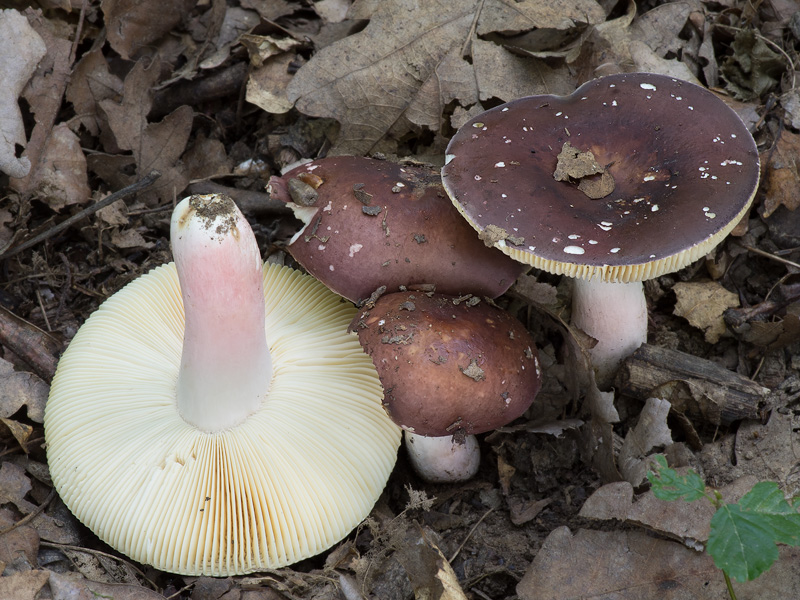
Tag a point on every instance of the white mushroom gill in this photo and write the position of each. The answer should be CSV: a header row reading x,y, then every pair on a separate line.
x,y
285,483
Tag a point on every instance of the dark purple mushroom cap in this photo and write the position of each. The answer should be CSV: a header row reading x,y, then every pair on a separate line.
x,y
448,366
372,223
684,169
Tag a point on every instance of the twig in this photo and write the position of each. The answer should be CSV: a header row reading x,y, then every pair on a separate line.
x,y
469,535
31,515
138,186
771,256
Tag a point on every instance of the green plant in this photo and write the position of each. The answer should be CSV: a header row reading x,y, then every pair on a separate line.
x,y
744,535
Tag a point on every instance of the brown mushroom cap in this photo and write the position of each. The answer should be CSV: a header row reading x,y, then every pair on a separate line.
x,y
380,223
446,366
684,168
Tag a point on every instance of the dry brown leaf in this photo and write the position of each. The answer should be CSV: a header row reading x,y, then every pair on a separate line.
x,y
633,565
651,432
703,304
19,546
405,81
23,586
128,118
783,174
266,86
687,522
18,389
236,22
62,176
92,82
134,24
71,586
44,94
21,49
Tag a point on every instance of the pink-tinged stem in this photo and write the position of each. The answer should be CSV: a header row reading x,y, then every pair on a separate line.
x,y
226,367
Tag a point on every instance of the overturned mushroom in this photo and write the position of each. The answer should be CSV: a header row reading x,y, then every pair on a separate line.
x,y
372,223
214,417
629,177
450,368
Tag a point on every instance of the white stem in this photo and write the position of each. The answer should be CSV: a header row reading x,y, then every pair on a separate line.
x,y
615,314
226,367
443,459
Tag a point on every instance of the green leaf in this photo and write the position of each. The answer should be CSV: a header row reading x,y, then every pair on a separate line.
x,y
744,536
667,484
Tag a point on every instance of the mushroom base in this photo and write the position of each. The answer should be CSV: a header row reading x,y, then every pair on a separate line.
x,y
443,459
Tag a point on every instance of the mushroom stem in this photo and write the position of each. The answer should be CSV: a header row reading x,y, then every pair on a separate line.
x,y
615,314
224,346
443,459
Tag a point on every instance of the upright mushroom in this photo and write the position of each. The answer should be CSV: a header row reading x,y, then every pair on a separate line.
x,y
450,368
372,223
214,417
629,177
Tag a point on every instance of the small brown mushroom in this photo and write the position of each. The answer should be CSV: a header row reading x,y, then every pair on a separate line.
x,y
449,367
680,171
372,223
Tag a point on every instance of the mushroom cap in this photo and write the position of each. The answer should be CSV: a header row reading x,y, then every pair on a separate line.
x,y
449,367
376,223
684,168
289,482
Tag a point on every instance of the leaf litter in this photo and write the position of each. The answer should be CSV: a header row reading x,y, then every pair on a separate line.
x,y
99,95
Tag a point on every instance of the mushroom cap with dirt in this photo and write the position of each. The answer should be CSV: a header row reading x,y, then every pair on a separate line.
x,y
214,417
372,223
629,177
450,368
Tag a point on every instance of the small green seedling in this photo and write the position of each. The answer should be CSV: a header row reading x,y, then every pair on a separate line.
x,y
743,535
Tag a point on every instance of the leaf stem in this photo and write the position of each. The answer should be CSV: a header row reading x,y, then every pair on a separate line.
x,y
729,583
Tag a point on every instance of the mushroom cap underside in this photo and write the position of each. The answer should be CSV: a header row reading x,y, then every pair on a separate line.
x,y
286,484
681,166
449,366
377,223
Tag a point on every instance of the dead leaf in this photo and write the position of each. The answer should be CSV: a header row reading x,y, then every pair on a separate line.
x,y
651,432
266,86
18,389
403,82
92,82
633,565
134,24
753,69
19,547
71,586
687,522
783,174
62,177
703,305
236,22
21,49
23,586
430,574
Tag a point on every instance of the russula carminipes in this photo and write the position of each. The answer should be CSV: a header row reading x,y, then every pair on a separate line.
x,y
450,368
214,417
372,223
630,177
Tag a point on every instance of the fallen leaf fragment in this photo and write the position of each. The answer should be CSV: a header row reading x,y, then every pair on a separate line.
x,y
69,586
633,565
23,586
650,432
21,49
703,304
18,389
783,174
687,522
62,178
134,24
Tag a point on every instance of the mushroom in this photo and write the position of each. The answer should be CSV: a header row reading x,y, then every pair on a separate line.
x,y
372,223
629,177
214,417
450,368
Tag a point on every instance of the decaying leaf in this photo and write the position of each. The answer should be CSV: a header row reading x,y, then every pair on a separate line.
x,y
703,304
753,69
134,24
404,82
633,565
266,86
21,49
18,389
783,174
687,522
25,585
62,178
650,432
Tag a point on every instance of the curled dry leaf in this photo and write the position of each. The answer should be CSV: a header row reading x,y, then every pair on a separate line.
x,y
21,49
703,304
651,432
